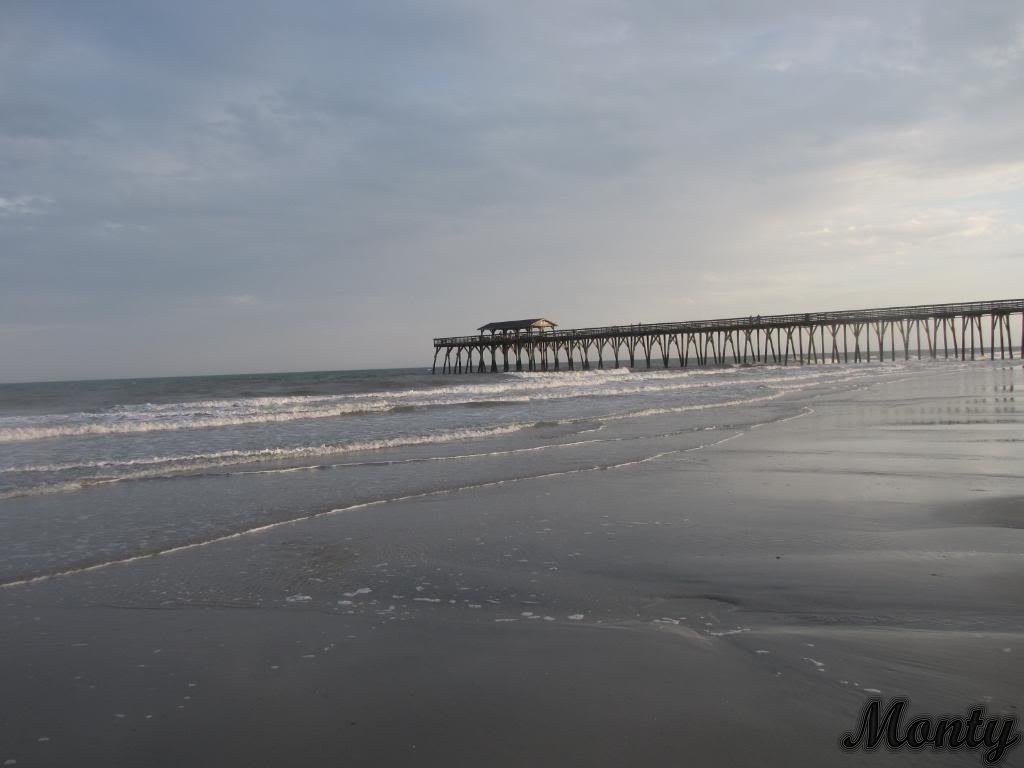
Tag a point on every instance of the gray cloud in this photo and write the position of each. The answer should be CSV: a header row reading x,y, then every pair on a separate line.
x,y
236,186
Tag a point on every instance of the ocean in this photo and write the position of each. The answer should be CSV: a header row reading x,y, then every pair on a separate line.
x,y
93,472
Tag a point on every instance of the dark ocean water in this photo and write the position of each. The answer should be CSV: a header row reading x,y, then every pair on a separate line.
x,y
99,470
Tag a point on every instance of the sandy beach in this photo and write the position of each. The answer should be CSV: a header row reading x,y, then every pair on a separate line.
x,y
732,603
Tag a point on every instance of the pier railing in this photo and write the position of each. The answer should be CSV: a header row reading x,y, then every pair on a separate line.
x,y
917,311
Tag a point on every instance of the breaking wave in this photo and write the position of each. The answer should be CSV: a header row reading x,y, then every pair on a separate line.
x,y
113,470
511,389
159,466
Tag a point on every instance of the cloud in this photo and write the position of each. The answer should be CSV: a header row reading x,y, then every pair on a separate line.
x,y
414,170
24,205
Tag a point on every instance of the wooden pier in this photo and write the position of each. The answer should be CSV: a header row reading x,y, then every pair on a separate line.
x,y
960,331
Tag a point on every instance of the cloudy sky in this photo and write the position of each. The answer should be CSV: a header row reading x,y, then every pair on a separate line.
x,y
204,186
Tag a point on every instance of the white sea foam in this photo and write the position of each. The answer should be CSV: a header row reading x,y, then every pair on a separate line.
x,y
166,466
163,466
102,471
123,421
518,388
263,528
765,385
217,458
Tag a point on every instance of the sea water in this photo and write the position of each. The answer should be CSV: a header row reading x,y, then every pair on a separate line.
x,y
94,472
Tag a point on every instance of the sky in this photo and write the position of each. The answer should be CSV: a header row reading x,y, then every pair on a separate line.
x,y
214,187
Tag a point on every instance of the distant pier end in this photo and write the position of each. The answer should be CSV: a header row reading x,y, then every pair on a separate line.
x,y
927,331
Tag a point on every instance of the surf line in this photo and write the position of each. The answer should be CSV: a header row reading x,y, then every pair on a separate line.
x,y
229,459
807,411
362,505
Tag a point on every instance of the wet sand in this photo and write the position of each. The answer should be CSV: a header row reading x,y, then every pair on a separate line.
x,y
729,606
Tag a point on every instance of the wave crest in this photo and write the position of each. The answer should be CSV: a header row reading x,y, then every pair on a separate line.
x,y
522,387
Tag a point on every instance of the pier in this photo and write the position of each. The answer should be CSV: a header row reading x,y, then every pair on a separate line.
x,y
962,331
